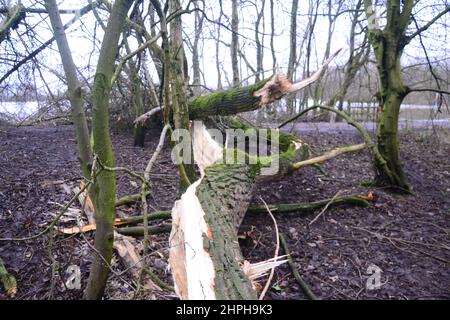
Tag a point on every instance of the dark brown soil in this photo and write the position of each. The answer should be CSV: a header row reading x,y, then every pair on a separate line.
x,y
405,236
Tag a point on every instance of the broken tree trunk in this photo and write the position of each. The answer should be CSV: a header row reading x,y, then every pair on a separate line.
x,y
205,257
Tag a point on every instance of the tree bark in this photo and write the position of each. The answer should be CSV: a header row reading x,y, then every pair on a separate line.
x,y
195,51
177,79
103,192
205,257
13,18
235,42
292,53
74,86
388,45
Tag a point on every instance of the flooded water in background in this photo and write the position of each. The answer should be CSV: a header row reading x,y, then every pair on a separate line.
x,y
19,110
411,116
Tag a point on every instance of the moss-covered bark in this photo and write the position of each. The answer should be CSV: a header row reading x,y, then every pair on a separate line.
x,y
226,102
224,194
103,192
388,45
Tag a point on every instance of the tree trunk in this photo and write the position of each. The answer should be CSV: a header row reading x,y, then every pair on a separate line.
x,y
74,87
195,51
388,140
235,42
177,76
388,45
137,101
103,192
292,53
393,92
205,257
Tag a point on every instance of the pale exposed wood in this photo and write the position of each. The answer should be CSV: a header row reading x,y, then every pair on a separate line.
x,y
126,248
329,155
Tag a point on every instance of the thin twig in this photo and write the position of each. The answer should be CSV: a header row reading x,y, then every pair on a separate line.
x,y
295,272
325,208
53,223
277,249
144,201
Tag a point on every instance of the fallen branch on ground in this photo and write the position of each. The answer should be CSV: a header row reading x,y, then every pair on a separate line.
x,y
324,208
126,249
132,198
277,249
282,208
295,272
139,231
328,155
117,222
305,208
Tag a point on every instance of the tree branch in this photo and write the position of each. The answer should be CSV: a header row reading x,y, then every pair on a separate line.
x,y
82,12
329,155
428,90
425,27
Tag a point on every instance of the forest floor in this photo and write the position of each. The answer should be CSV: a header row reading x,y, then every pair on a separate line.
x,y
407,237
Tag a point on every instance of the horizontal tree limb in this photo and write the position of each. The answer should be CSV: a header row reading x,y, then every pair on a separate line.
x,y
130,199
139,231
308,207
328,155
295,272
255,96
299,208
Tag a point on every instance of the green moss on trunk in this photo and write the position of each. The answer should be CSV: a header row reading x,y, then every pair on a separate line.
x,y
224,195
103,191
226,102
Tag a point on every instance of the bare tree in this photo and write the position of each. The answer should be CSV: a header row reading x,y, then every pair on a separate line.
x,y
388,45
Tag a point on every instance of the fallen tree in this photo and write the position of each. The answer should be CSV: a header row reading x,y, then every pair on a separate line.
x,y
205,257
